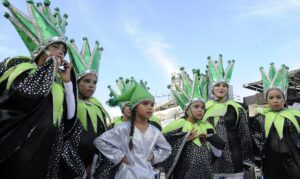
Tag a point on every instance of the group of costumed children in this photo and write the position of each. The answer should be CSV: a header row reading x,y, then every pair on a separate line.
x,y
51,126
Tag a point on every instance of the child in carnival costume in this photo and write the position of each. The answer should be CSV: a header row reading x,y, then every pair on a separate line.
x,y
230,121
92,117
135,146
126,113
38,104
276,128
194,141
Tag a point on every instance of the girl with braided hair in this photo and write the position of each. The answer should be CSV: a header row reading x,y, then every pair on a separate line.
x,y
123,85
135,145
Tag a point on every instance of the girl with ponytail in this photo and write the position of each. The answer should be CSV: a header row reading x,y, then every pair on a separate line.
x,y
135,145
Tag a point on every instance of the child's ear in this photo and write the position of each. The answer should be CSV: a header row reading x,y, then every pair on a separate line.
x,y
188,112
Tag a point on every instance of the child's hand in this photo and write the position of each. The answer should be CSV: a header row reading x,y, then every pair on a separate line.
x,y
192,135
66,74
202,138
150,157
125,161
88,170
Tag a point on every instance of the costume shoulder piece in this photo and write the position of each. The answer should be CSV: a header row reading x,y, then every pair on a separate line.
x,y
174,125
13,61
219,109
214,109
278,119
99,104
13,67
209,104
92,109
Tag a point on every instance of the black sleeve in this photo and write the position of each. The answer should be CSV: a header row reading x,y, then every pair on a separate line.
x,y
216,141
39,82
257,133
175,138
245,138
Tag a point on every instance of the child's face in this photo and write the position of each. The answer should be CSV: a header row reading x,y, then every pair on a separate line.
x,y
87,85
220,90
275,99
197,109
145,109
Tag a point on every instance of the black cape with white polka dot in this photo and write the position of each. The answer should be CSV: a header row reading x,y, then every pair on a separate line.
x,y
30,144
280,158
238,144
79,149
194,161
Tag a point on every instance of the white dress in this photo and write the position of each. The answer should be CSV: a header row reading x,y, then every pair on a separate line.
x,y
114,144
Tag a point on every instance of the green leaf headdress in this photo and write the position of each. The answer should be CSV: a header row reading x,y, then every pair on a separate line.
x,y
123,86
216,72
85,62
276,79
132,94
40,29
187,90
